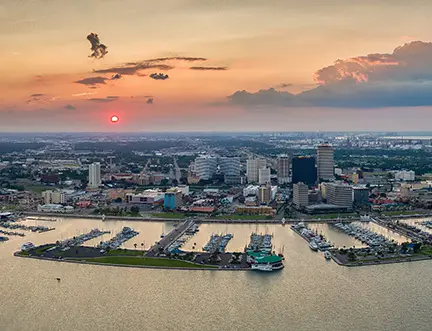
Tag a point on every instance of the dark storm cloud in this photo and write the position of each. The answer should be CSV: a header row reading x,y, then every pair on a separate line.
x,y
92,81
159,76
70,107
209,68
103,100
149,101
402,78
98,50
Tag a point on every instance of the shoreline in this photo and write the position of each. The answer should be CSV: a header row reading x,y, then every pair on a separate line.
x,y
77,261
379,262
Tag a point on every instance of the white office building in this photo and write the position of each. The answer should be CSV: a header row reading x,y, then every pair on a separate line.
x,y
252,168
205,167
95,175
339,194
264,176
405,176
53,197
283,168
300,195
325,162
230,167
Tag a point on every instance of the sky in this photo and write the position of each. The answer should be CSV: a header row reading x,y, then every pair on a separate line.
x,y
226,65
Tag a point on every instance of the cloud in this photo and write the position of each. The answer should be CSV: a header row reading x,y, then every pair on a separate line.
x,y
92,81
116,76
70,107
37,95
103,100
98,50
283,85
83,94
40,98
149,101
159,76
134,68
402,78
208,68
112,97
177,58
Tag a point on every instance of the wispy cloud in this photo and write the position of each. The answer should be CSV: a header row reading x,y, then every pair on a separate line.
x,y
103,100
83,94
92,81
209,68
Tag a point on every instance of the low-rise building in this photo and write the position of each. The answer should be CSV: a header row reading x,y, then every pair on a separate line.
x,y
146,197
172,199
53,197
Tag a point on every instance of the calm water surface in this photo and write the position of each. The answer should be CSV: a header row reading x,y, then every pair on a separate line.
x,y
310,293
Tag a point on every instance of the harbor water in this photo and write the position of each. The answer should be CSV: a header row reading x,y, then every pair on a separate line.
x,y
309,293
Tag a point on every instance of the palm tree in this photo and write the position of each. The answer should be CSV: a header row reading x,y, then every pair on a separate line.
x,y
142,245
135,245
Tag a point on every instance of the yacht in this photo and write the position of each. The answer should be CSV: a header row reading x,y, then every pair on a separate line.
x,y
103,218
327,255
313,245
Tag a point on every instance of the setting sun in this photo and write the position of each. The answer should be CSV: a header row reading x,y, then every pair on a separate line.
x,y
114,119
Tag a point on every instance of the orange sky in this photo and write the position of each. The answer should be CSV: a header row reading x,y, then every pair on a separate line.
x,y
262,44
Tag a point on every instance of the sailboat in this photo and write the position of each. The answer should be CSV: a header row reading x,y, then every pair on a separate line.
x,y
103,217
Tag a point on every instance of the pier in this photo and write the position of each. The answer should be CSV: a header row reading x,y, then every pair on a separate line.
x,y
167,240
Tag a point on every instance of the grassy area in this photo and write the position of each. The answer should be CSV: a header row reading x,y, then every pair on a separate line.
x,y
125,252
36,188
144,261
401,212
169,215
329,216
242,217
40,250
426,250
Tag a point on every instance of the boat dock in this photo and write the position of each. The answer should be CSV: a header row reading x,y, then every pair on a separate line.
x,y
163,244
316,241
217,243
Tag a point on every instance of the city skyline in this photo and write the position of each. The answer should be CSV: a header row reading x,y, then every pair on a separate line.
x,y
227,66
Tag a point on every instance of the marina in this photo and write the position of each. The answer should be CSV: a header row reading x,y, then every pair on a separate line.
x,y
217,243
80,239
315,241
32,228
12,233
124,235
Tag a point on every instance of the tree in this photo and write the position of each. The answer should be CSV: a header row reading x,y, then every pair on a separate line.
x,y
135,209
118,200
135,245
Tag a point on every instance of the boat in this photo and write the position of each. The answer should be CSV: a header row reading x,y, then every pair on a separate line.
x,y
327,255
103,218
313,245
27,246
283,221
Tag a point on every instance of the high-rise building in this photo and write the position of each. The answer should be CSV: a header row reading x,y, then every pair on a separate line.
x,y
325,162
300,195
304,170
252,168
53,197
264,176
205,167
283,169
94,175
230,167
360,196
173,199
264,194
339,194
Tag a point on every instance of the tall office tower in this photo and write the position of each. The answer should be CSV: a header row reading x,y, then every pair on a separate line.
x,y
95,175
205,167
252,168
339,194
300,195
283,169
230,167
264,194
325,162
264,176
304,170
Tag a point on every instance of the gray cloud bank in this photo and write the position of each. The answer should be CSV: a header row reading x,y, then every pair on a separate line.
x,y
402,78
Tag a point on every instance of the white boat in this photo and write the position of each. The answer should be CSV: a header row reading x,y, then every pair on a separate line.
x,y
283,221
103,218
327,255
313,245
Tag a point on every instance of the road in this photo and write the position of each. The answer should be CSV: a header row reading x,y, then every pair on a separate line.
x,y
169,238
